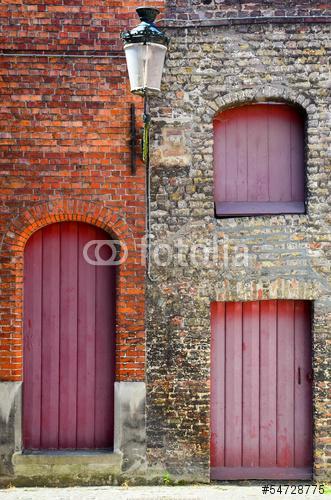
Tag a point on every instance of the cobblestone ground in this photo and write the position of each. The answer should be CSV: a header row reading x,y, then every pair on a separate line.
x,y
233,492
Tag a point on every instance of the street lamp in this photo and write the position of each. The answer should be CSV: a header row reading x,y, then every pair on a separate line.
x,y
145,49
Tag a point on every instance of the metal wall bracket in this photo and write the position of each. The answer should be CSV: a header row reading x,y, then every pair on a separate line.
x,y
133,138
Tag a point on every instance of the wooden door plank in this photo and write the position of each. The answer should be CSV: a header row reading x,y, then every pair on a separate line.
x,y
268,380
259,208
257,140
231,159
251,385
217,384
219,159
297,158
285,384
280,181
68,335
303,385
86,344
233,392
32,342
265,473
50,337
105,312
242,155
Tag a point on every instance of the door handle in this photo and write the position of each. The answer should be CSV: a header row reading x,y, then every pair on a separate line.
x,y
299,375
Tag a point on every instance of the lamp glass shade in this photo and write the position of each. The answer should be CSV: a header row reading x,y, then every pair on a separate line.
x,y
145,63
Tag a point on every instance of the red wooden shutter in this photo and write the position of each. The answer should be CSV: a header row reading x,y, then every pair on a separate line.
x,y
69,341
259,165
261,394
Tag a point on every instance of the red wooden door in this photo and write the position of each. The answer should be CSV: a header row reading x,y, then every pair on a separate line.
x,y
259,161
69,341
261,394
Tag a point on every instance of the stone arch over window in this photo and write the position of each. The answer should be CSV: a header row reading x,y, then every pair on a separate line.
x,y
259,159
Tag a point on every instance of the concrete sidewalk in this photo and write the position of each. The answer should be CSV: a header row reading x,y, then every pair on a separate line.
x,y
226,492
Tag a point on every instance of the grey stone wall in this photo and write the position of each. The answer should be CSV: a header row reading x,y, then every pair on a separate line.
x,y
130,426
184,10
10,424
285,257
126,463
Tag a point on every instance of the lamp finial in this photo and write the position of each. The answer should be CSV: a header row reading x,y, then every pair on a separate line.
x,y
147,14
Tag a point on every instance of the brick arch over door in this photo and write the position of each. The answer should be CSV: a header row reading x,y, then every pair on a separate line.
x,y
69,341
130,282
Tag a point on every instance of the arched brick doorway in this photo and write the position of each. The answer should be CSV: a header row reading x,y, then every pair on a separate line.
x,y
69,341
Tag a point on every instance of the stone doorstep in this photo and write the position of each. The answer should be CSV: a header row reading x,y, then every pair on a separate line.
x,y
66,463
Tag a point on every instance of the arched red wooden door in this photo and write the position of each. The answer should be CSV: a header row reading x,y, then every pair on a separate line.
x,y
69,341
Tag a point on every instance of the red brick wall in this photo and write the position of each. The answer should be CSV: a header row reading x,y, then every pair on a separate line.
x,y
65,154
67,25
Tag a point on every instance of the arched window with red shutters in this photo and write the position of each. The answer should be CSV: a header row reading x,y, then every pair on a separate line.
x,y
259,160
